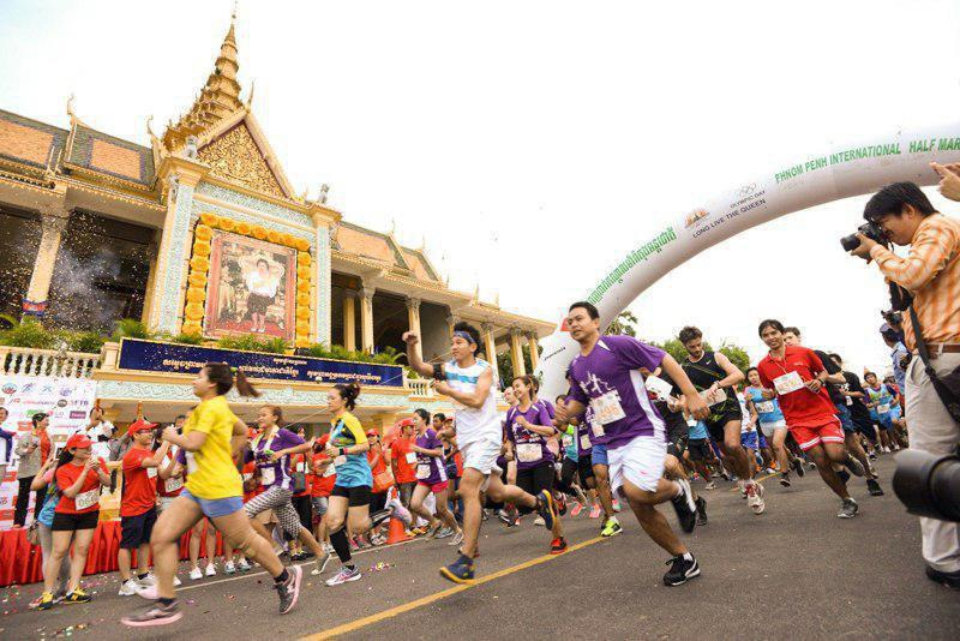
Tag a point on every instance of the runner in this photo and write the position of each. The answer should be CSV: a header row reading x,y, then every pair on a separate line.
x,y
854,399
45,480
214,489
432,479
606,376
795,375
79,478
529,428
271,450
324,479
468,382
714,377
884,409
138,505
403,461
601,473
350,499
773,425
698,448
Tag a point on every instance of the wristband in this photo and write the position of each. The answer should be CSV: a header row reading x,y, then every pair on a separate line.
x,y
342,451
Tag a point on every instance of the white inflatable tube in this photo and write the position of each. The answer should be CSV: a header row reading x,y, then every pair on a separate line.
x,y
842,172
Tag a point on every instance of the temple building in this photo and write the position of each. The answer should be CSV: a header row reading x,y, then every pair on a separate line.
x,y
201,233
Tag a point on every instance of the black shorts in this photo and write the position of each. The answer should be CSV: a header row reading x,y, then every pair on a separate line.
x,y
356,496
585,468
136,530
677,446
378,501
304,509
699,449
535,480
72,522
716,422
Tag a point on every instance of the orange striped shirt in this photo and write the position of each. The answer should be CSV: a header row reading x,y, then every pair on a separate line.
x,y
931,272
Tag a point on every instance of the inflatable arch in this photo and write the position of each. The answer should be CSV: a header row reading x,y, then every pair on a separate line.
x,y
842,172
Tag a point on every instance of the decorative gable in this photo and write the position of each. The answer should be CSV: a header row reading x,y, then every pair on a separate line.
x,y
236,156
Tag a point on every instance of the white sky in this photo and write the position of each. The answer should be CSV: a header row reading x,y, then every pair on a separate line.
x,y
533,144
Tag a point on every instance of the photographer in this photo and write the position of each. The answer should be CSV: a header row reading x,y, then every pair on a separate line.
x,y
931,274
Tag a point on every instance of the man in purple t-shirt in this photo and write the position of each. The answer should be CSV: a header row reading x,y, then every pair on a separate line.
x,y
606,376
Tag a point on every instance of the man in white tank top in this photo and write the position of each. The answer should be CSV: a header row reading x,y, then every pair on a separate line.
x,y
468,382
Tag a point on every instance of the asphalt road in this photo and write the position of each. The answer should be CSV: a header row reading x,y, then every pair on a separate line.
x,y
796,572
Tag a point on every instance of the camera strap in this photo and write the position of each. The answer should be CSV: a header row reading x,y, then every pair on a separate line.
x,y
949,399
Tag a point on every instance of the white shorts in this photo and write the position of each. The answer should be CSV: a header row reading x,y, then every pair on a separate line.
x,y
481,456
769,428
640,461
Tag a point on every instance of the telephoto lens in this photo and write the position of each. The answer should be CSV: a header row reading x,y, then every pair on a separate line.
x,y
928,485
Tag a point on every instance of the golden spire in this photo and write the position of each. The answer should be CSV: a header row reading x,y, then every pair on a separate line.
x,y
219,98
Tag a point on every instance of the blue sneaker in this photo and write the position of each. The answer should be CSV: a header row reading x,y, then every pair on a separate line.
x,y
460,571
546,508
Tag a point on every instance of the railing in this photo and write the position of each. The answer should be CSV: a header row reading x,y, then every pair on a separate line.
x,y
419,387
26,361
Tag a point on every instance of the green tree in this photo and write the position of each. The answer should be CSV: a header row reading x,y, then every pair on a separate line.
x,y
625,323
737,355
505,365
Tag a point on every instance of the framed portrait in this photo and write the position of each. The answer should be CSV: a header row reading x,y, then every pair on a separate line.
x,y
252,287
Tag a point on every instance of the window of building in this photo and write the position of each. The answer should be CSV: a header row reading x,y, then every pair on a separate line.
x,y
20,234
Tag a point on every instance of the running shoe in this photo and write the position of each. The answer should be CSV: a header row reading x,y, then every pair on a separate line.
x,y
457,538
147,581
345,575
712,485
561,503
949,579
872,456
681,570
380,516
785,479
460,571
558,546
513,517
211,569
596,511
742,486
855,466
289,590
176,581
849,509
874,487
244,566
77,596
616,505
685,506
701,511
130,587
538,521
45,602
322,562
546,509
611,527
154,615
229,568
755,498
444,533
576,509
196,574
503,515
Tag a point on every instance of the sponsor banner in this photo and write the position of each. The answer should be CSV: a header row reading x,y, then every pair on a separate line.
x,y
68,401
150,356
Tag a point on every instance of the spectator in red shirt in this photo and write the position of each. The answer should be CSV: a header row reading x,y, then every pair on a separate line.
x,y
404,462
796,376
324,478
138,505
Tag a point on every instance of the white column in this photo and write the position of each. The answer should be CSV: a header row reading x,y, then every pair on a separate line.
x,y
53,223
366,318
534,349
413,317
349,320
516,352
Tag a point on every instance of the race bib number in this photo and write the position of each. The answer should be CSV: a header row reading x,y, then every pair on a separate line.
x,y
788,383
585,442
658,386
267,476
597,429
883,409
765,407
423,471
567,440
151,472
174,484
411,458
528,452
191,463
85,500
717,397
607,408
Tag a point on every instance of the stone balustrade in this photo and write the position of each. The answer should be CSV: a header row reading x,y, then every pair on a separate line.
x,y
26,361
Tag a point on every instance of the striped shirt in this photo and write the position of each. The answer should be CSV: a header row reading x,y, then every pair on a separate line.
x,y
931,272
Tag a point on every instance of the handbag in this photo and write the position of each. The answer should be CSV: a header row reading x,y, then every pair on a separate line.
x,y
33,533
948,386
382,481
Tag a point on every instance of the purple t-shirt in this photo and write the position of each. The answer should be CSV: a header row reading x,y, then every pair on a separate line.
x,y
278,472
530,449
609,380
430,469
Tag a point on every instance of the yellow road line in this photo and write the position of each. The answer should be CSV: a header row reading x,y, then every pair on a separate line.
x,y
356,624
762,478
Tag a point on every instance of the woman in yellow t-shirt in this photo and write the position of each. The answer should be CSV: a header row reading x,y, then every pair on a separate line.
x,y
214,489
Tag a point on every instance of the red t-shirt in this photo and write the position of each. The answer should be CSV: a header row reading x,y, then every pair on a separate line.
x,y
801,408
322,485
247,472
89,492
403,470
170,487
139,487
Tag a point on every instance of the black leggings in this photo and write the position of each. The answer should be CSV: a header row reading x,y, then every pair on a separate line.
x,y
23,499
535,480
567,472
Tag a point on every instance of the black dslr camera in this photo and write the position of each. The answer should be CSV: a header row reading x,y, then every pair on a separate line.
x,y
929,485
873,231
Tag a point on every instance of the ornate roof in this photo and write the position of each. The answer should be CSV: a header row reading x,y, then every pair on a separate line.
x,y
105,154
24,141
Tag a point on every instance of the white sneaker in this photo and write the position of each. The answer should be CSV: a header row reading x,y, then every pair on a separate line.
x,y
176,581
755,498
539,521
196,574
244,566
743,489
229,568
457,538
211,569
712,485
148,581
130,587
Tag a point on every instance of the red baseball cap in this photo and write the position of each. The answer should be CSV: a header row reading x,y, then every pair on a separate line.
x,y
78,441
140,425
407,422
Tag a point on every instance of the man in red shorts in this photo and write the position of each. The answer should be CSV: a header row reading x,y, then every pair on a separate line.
x,y
796,376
